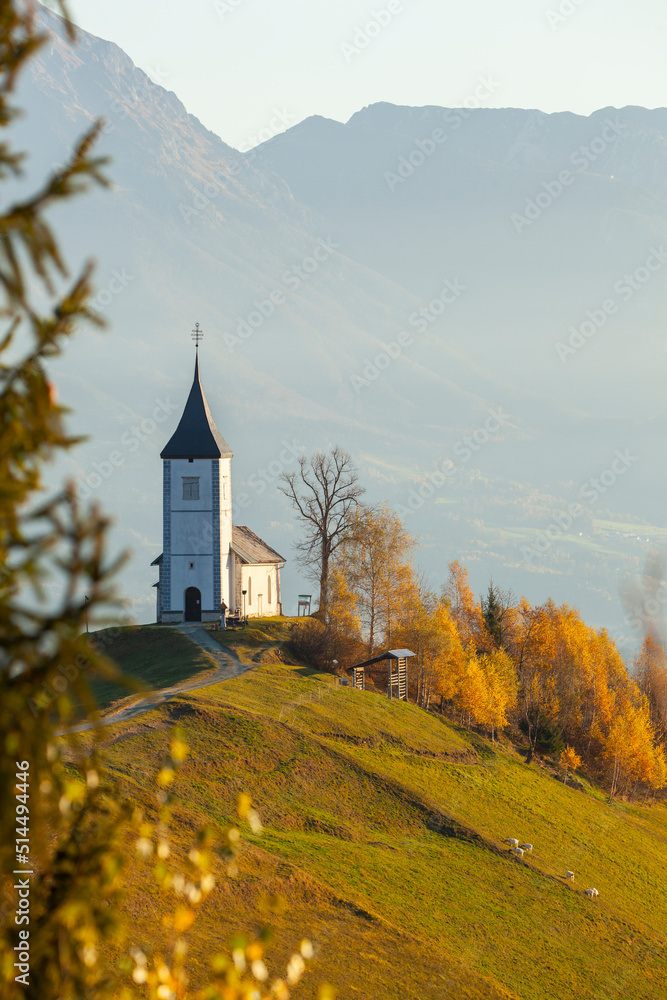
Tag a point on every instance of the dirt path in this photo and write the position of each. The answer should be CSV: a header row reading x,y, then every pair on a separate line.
x,y
229,666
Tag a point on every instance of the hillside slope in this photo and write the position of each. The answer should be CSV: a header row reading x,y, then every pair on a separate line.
x,y
383,833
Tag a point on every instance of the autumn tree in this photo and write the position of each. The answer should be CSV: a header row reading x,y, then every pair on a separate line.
x,y
487,690
426,627
569,760
376,563
464,609
630,751
650,671
567,674
325,493
334,640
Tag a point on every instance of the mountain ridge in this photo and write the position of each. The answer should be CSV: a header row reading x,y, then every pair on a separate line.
x,y
202,231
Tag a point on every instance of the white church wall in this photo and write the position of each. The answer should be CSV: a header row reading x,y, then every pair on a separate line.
x,y
259,581
200,514
225,514
199,468
193,535
192,571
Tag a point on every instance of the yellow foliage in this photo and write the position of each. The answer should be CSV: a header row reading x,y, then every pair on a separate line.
x,y
376,573
464,609
570,759
183,918
650,669
487,689
630,750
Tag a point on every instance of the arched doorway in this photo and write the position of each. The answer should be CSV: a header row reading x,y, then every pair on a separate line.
x,y
192,605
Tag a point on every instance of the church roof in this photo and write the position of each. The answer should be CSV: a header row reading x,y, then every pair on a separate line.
x,y
196,435
250,548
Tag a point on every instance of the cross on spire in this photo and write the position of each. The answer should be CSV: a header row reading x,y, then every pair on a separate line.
x,y
197,335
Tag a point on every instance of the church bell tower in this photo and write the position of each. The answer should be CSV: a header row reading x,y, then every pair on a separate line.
x,y
195,565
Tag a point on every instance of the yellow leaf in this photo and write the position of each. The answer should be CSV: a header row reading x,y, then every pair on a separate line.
x,y
183,918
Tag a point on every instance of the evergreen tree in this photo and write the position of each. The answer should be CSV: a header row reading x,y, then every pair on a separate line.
x,y
492,613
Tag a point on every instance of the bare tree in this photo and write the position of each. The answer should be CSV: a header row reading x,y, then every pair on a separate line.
x,y
325,492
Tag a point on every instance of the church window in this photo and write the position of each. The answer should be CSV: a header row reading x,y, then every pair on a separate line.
x,y
190,488
249,591
224,489
268,587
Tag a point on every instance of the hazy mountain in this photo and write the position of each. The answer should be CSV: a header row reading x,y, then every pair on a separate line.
x,y
536,252
194,231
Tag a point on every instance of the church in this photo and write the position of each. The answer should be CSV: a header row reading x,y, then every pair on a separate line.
x,y
206,559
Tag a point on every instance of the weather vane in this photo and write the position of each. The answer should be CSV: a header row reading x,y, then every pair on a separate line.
x,y
197,335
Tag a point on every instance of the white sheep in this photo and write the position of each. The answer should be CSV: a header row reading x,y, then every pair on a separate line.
x,y
517,851
511,841
591,893
570,876
526,847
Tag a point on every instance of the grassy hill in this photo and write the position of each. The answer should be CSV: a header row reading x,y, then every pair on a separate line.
x,y
151,657
383,835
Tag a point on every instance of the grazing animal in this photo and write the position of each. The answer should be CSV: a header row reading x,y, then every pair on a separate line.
x,y
570,875
517,851
511,841
526,847
591,893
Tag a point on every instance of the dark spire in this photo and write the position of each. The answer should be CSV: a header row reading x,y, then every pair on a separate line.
x,y
196,435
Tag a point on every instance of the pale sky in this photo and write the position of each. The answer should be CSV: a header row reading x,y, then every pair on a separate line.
x,y
242,66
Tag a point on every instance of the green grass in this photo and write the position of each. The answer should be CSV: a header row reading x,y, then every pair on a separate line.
x,y
259,636
383,832
155,656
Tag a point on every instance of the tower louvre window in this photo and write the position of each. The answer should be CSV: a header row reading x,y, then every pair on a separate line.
x,y
191,487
